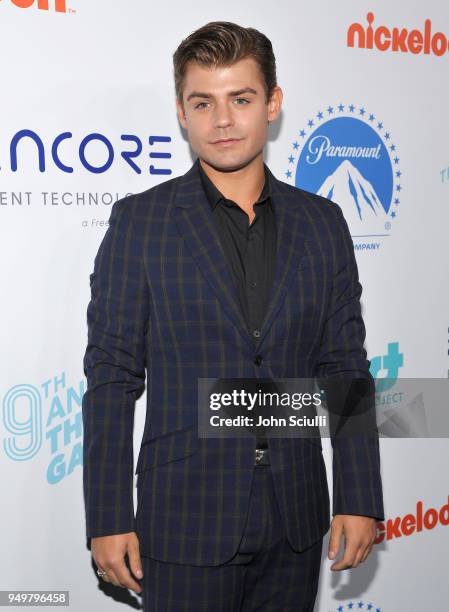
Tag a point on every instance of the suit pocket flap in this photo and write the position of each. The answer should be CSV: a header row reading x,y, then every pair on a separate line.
x,y
167,447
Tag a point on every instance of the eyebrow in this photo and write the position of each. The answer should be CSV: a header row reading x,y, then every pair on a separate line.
x,y
199,94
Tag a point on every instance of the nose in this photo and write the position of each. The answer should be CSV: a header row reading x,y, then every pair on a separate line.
x,y
223,116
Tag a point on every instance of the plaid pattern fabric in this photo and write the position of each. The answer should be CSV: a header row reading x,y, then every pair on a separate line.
x,y
265,575
162,302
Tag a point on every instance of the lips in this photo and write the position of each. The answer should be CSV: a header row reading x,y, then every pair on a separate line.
x,y
227,143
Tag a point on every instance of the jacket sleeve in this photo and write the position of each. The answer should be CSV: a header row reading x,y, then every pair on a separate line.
x,y
114,365
357,485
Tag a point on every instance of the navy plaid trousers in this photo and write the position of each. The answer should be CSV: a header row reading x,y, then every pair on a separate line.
x,y
265,574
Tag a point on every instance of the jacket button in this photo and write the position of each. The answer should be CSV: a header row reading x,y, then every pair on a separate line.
x,y
258,360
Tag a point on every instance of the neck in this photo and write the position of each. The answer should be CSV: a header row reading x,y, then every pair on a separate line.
x,y
243,185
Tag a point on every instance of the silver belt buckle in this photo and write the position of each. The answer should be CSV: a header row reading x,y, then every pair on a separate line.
x,y
260,454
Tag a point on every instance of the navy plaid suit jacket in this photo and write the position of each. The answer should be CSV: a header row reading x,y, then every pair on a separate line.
x,y
163,303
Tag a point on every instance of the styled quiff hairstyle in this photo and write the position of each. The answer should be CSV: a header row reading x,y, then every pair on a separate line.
x,y
222,43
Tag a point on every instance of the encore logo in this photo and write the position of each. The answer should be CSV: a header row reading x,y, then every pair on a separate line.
x,y
43,5
397,39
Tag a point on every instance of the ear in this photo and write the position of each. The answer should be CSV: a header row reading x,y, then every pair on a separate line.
x,y
275,103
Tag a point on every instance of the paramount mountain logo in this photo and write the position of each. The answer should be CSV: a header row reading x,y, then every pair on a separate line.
x,y
346,154
352,191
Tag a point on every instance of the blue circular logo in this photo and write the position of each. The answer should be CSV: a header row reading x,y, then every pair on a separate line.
x,y
360,605
347,156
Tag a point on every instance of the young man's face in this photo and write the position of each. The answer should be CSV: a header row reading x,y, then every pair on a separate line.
x,y
216,107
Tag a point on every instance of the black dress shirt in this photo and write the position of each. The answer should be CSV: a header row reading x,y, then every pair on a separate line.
x,y
250,251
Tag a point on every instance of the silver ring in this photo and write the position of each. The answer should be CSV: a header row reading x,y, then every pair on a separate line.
x,y
101,572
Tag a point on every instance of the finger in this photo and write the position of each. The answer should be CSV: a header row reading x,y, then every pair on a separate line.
x,y
135,562
124,577
359,555
334,540
112,576
104,576
348,559
366,553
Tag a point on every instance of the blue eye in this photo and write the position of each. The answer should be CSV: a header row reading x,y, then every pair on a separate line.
x,y
199,105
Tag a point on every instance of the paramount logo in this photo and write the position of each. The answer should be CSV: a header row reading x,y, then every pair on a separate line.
x,y
397,39
357,196
321,145
58,5
351,159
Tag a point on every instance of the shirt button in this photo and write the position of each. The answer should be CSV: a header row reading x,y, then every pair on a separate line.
x,y
258,360
256,333
252,283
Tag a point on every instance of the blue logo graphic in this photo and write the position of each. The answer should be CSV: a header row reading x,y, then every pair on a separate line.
x,y
88,150
360,605
388,365
346,155
45,415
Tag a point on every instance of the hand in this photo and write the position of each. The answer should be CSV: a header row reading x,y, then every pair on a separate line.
x,y
109,552
359,532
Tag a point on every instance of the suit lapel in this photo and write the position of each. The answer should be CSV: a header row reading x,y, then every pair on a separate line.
x,y
195,223
292,234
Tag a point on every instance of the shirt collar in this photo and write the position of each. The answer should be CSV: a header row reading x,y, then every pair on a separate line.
x,y
214,195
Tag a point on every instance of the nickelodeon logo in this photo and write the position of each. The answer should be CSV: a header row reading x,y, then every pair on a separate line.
x,y
411,523
58,5
397,39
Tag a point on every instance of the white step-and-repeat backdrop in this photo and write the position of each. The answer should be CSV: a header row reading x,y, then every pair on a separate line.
x,y
84,85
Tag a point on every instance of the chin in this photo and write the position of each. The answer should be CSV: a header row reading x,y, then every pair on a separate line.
x,y
224,165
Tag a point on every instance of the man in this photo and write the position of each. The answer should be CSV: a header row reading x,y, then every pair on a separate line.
x,y
224,272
